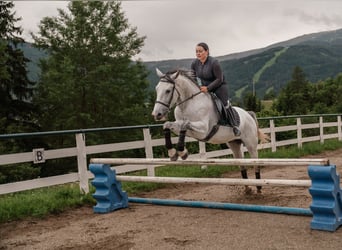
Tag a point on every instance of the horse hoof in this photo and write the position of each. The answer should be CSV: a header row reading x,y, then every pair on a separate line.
x,y
184,154
248,191
184,157
174,158
172,153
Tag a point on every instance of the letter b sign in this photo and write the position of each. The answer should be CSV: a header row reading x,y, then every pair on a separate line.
x,y
38,155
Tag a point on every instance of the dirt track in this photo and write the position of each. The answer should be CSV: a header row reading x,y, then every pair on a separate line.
x,y
161,227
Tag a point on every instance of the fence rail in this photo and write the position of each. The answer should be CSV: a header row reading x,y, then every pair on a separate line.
x,y
82,151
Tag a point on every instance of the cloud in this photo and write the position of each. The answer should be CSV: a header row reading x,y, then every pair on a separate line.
x,y
173,28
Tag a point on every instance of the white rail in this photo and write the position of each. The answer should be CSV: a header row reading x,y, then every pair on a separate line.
x,y
213,162
222,181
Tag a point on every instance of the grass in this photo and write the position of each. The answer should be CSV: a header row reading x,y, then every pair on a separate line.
x,y
53,200
41,202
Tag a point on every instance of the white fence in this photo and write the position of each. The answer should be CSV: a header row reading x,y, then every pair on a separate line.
x,y
81,151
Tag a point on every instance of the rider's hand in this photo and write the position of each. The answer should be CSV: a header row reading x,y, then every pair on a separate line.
x,y
204,89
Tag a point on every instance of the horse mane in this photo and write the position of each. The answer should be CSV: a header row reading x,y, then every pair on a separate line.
x,y
190,74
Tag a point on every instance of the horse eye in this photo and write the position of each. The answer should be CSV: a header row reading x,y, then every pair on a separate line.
x,y
168,91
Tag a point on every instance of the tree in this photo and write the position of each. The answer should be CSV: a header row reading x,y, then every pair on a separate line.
x,y
89,79
326,96
251,102
294,99
16,89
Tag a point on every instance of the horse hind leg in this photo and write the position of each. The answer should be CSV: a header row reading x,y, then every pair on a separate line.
x,y
254,155
258,176
235,146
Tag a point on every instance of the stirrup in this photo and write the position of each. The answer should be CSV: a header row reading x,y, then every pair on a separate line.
x,y
228,104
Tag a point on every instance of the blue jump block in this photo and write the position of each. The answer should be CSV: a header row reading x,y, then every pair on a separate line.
x,y
109,195
326,203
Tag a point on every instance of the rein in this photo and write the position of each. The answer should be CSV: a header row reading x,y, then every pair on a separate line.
x,y
187,99
171,81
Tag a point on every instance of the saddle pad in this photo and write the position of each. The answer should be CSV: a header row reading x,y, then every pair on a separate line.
x,y
225,115
236,116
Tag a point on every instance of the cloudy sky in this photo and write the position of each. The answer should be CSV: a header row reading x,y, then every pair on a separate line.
x,y
174,27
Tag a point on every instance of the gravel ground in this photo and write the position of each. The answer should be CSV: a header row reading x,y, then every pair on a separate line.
x,y
164,227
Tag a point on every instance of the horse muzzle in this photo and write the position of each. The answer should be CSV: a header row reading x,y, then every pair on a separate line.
x,y
159,116
160,111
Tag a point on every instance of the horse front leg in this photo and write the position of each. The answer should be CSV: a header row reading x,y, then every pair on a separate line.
x,y
181,149
172,153
180,129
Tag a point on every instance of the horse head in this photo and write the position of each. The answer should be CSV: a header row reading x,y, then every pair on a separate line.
x,y
166,96
174,88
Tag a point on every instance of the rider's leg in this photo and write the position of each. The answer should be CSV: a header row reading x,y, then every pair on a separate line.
x,y
222,94
232,120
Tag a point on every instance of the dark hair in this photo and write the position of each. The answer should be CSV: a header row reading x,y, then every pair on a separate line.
x,y
204,46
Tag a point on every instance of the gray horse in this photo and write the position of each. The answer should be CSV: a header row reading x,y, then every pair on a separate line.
x,y
196,116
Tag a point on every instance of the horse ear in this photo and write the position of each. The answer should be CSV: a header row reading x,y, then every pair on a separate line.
x,y
159,73
175,75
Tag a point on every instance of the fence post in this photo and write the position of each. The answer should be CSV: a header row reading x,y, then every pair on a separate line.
x,y
299,132
148,150
202,153
339,125
273,136
321,130
82,162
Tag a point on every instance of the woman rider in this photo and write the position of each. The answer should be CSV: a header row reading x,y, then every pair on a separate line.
x,y
208,70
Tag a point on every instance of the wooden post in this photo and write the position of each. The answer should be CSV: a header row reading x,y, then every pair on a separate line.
x,y
299,132
273,136
202,152
321,130
339,125
148,150
82,162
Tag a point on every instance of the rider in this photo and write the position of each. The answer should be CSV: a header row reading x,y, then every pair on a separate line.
x,y
211,79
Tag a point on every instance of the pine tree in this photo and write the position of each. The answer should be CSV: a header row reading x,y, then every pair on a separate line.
x,y
16,90
294,99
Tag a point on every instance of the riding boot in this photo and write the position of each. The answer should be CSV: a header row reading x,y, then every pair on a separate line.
x,y
231,119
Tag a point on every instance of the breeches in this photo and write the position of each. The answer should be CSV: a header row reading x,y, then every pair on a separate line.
x,y
222,93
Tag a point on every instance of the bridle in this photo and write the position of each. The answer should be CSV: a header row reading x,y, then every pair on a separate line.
x,y
168,79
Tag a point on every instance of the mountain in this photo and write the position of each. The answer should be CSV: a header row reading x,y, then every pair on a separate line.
x,y
261,70
34,55
270,68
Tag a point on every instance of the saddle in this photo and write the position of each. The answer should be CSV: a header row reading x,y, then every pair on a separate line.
x,y
227,117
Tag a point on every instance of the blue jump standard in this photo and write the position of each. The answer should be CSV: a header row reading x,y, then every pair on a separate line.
x,y
325,191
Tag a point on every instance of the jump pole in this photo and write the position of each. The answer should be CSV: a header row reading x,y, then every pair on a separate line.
x,y
326,207
224,206
218,181
213,162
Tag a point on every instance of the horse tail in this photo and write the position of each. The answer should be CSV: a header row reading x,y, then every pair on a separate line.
x,y
264,138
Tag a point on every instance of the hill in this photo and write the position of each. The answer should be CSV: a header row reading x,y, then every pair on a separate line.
x,y
34,55
270,68
259,70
